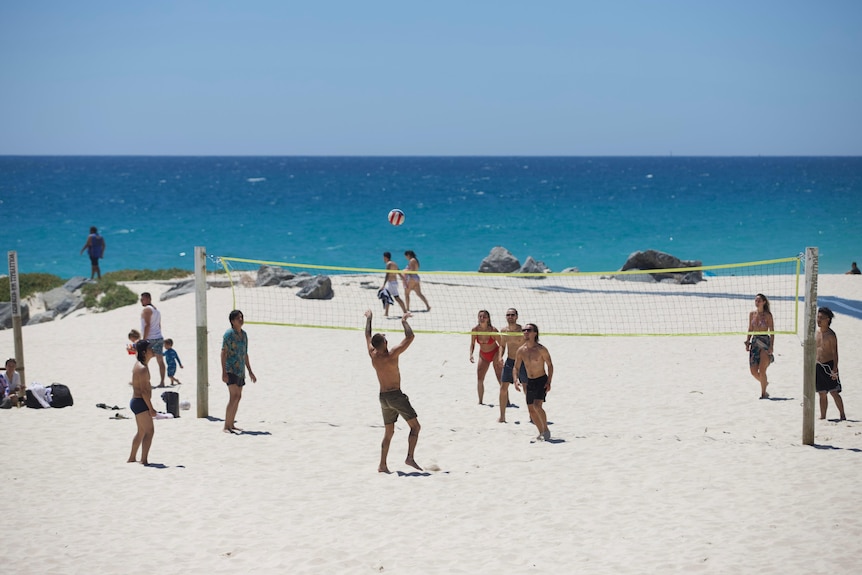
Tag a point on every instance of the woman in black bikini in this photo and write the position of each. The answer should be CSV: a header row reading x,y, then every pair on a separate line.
x,y
141,405
489,351
760,345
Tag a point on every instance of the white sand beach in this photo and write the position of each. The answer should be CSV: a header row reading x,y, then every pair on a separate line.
x,y
663,460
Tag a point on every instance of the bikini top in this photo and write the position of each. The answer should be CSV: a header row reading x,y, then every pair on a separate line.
x,y
759,321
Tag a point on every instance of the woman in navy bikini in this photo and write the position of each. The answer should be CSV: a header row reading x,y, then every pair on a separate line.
x,y
141,405
489,346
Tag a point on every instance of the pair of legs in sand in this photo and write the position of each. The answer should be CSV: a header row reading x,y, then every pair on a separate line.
x,y
413,285
536,394
758,362
482,367
235,395
143,438
412,438
824,403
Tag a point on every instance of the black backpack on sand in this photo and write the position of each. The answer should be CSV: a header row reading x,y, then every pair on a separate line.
x,y
60,395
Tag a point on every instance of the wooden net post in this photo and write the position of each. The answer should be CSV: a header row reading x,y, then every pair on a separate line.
x,y
810,347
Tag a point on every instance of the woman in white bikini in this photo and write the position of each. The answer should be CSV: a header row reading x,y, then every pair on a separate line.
x,y
411,281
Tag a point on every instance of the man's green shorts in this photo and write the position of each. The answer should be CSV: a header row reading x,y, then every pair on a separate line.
x,y
394,403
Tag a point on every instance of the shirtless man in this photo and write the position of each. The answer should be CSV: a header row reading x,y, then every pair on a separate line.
x,y
535,356
141,404
390,282
512,339
827,363
392,401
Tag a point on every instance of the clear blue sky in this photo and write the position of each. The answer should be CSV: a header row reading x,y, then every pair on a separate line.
x,y
319,77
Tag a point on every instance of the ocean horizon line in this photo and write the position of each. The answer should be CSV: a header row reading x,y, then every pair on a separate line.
x,y
438,156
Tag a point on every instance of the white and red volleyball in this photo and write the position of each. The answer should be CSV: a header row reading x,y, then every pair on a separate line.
x,y
396,217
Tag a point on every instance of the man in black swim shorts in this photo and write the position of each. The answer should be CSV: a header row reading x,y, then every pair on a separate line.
x,y
536,358
512,338
393,402
827,381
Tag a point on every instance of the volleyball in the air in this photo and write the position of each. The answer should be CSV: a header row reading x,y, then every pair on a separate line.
x,y
396,217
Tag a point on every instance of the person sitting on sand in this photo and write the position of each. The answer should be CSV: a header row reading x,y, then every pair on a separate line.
x,y
536,357
827,363
11,389
141,403
234,362
393,402
760,345
854,270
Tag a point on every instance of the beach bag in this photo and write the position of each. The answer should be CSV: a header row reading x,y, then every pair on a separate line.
x,y
60,395
172,402
31,400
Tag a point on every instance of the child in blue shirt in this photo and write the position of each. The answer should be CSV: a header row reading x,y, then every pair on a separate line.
x,y
172,359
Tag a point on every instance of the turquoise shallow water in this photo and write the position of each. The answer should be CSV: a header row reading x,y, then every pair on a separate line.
x,y
585,212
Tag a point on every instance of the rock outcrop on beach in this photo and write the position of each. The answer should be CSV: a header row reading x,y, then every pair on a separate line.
x,y
178,289
6,314
272,276
532,266
499,261
61,301
310,287
318,287
655,260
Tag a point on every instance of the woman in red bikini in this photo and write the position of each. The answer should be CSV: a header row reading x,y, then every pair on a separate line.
x,y
489,351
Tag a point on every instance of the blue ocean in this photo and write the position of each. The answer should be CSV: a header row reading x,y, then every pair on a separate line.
x,y
583,212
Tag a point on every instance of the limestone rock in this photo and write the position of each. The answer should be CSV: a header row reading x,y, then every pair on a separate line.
x,y
500,260
320,287
6,314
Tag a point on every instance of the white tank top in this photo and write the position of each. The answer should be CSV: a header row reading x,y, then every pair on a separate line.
x,y
155,324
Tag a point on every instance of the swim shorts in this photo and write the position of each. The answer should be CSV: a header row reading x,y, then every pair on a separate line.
x,y
392,286
158,346
234,379
824,382
394,403
508,372
138,405
536,389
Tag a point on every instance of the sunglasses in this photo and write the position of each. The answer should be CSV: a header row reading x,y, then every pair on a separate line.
x,y
511,315
528,329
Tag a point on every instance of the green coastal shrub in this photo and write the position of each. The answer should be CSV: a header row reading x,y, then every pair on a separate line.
x,y
28,284
146,275
106,295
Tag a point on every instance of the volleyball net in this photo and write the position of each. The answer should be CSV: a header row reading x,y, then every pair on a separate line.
x,y
711,300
